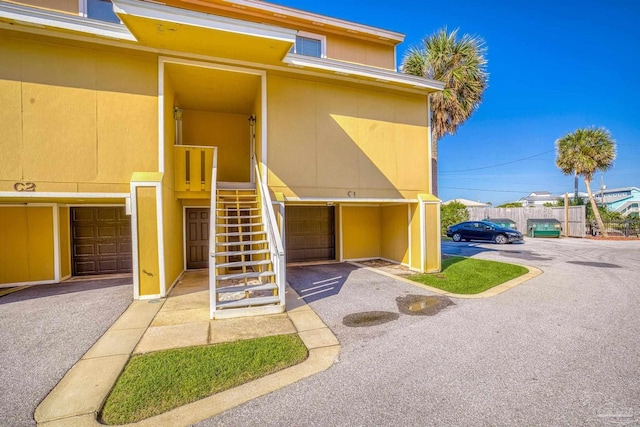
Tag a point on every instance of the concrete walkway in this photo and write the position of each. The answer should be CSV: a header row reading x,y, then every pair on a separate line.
x,y
182,320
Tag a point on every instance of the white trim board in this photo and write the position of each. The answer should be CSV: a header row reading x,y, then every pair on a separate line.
x,y
61,195
40,18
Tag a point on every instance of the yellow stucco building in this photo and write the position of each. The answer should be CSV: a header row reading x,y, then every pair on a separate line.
x,y
155,137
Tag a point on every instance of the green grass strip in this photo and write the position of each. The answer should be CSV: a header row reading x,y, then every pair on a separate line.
x,y
156,382
469,275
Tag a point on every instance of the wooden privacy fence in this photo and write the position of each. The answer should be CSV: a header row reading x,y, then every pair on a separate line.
x,y
576,216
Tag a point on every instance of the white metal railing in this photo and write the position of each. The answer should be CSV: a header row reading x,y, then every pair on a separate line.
x,y
212,235
273,235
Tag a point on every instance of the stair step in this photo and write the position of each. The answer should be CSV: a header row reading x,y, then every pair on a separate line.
x,y
245,288
239,216
238,195
235,202
243,243
244,263
246,233
240,253
234,185
250,275
233,208
247,302
242,224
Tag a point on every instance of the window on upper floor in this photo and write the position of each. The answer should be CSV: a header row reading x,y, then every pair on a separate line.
x,y
102,10
310,45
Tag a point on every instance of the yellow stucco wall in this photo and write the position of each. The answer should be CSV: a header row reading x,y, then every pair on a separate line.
x,y
65,241
173,240
331,141
360,51
394,233
75,119
148,263
361,232
228,132
26,252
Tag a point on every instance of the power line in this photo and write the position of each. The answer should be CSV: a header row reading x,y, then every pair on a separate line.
x,y
484,189
501,164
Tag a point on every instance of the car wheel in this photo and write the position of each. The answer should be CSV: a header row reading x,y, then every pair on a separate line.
x,y
501,239
456,237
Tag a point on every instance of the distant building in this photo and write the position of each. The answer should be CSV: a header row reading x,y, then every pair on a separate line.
x,y
539,198
625,200
468,203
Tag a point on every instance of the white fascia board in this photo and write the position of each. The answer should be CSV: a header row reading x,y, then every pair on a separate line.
x,y
203,20
319,20
355,70
347,200
55,195
39,18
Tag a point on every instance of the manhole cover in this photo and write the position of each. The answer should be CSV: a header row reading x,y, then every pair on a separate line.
x,y
369,318
422,305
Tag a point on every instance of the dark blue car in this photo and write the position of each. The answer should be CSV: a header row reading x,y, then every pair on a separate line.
x,y
483,230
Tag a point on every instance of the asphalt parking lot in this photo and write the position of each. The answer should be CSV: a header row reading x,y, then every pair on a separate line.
x,y
559,350
45,330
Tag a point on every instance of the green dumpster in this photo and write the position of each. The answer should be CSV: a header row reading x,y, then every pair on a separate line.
x,y
544,227
503,222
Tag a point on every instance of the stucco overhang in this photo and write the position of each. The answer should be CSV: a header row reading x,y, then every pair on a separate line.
x,y
171,28
363,72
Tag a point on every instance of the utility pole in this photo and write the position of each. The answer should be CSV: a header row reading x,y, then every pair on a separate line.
x,y
602,188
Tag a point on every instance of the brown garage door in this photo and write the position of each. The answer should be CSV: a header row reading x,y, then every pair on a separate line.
x,y
100,240
310,233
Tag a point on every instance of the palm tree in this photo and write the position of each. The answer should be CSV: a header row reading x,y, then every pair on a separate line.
x,y
584,152
461,65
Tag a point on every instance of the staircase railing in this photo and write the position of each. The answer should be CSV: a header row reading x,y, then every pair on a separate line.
x,y
273,235
212,234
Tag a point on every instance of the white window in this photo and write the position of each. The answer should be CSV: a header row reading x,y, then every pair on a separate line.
x,y
310,44
101,10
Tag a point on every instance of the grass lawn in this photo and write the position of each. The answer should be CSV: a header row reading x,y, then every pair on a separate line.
x,y
469,276
156,382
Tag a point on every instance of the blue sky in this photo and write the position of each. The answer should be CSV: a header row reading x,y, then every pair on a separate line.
x,y
554,66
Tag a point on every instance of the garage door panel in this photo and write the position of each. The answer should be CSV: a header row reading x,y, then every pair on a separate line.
x,y
85,267
124,231
310,233
107,231
80,232
124,247
79,215
108,265
107,248
80,249
101,240
107,214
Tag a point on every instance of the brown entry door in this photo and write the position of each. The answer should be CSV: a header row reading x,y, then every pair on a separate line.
x,y
100,240
197,238
310,233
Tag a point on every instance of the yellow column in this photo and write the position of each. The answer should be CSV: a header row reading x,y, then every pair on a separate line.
x,y
431,252
148,263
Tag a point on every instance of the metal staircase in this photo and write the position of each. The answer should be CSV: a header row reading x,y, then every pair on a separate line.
x,y
245,282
